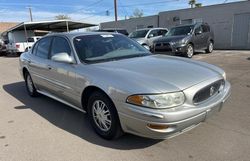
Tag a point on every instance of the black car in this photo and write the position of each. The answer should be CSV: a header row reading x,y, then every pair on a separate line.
x,y
116,30
185,40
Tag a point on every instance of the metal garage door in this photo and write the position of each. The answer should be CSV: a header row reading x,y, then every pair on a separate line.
x,y
241,31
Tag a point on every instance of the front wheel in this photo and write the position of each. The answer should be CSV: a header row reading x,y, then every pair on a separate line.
x,y
190,51
210,47
103,116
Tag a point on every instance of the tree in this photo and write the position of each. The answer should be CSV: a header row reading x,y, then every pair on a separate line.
x,y
192,3
198,5
137,13
62,17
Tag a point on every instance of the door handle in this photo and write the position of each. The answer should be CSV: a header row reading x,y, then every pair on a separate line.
x,y
29,61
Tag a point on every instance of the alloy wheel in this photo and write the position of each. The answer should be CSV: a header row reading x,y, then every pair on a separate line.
x,y
101,115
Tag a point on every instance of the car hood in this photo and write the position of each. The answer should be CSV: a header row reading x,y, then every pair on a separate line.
x,y
170,38
163,73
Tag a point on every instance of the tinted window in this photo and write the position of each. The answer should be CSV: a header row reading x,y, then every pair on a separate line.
x,y
162,32
154,33
34,48
96,48
31,39
205,28
138,34
183,30
43,48
60,45
198,29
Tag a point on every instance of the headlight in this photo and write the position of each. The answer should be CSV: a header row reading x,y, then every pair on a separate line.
x,y
180,42
224,76
159,101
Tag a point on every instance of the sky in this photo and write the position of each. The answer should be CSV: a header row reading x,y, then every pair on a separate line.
x,y
89,11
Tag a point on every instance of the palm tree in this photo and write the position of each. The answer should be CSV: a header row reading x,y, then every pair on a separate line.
x,y
198,5
192,3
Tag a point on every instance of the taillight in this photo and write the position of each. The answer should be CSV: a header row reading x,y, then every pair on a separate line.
x,y
17,45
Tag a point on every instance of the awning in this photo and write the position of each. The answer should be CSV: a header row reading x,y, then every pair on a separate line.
x,y
54,26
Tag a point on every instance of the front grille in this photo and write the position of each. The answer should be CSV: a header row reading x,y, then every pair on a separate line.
x,y
208,91
161,47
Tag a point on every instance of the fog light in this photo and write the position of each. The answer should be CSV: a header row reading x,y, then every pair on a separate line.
x,y
157,127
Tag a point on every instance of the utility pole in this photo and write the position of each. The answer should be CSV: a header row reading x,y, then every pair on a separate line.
x,y
30,11
115,6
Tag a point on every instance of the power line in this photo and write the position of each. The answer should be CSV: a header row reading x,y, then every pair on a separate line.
x,y
96,14
89,6
148,3
124,9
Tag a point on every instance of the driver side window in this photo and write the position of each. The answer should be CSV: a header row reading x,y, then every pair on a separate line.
x,y
60,45
198,29
154,33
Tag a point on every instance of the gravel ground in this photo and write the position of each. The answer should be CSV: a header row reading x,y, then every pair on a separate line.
x,y
42,129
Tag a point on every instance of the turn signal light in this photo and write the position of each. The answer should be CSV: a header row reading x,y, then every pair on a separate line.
x,y
158,127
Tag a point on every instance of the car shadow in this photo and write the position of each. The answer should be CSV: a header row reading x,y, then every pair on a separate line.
x,y
71,120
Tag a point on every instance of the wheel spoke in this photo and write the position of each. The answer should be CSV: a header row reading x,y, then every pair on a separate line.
x,y
101,115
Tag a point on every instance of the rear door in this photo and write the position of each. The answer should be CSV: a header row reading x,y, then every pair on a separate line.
x,y
206,34
38,64
63,74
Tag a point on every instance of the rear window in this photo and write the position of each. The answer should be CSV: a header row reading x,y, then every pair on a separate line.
x,y
43,47
31,39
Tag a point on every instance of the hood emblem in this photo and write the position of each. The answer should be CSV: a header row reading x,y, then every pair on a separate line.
x,y
212,90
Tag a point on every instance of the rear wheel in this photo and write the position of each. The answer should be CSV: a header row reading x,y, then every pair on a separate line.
x,y
190,51
210,47
31,89
103,116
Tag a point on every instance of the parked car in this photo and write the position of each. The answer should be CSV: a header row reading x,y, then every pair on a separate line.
x,y
122,86
146,36
185,40
20,47
2,47
116,30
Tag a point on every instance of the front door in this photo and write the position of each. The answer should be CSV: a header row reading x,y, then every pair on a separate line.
x,y
63,74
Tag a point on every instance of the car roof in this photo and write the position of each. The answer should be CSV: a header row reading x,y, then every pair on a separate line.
x,y
151,28
74,34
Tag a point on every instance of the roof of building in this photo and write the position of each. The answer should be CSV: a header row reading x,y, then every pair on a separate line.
x,y
55,25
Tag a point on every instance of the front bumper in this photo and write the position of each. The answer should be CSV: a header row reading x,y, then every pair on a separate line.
x,y
136,119
166,48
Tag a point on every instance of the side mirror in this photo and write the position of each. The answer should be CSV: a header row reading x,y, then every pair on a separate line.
x,y
198,32
150,35
63,58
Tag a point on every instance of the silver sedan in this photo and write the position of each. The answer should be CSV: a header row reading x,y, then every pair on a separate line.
x,y
122,86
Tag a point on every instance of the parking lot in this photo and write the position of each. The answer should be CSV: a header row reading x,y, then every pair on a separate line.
x,y
43,129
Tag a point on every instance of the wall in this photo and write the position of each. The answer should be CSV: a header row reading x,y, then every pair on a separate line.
x,y
133,23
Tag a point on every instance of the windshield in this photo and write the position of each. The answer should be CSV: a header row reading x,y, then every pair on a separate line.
x,y
183,30
107,47
138,34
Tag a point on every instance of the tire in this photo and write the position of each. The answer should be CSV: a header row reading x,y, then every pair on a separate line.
x,y
31,89
190,51
103,117
210,47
